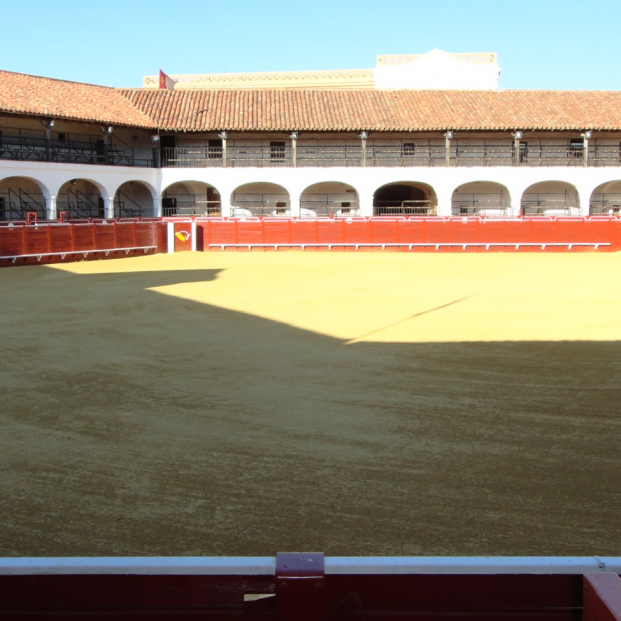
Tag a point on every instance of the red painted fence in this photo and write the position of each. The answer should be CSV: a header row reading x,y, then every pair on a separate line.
x,y
416,234
21,243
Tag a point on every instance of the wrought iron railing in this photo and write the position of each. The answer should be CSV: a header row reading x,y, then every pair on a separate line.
x,y
32,145
549,204
16,205
251,156
200,156
340,205
190,205
608,204
247,205
488,204
405,208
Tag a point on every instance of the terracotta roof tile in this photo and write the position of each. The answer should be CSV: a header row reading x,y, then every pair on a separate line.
x,y
375,110
312,109
27,94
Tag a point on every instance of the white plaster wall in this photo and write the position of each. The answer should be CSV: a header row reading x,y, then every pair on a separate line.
x,y
437,70
444,181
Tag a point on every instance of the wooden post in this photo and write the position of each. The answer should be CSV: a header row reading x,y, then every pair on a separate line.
x,y
294,149
585,148
363,137
447,146
224,136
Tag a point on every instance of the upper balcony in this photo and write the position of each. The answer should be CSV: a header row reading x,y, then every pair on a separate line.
x,y
322,152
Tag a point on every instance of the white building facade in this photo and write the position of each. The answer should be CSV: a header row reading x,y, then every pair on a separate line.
x,y
415,141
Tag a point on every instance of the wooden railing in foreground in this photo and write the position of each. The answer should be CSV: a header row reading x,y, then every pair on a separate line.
x,y
309,587
74,241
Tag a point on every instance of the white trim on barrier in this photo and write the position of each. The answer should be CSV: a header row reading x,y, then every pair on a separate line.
x,y
437,246
85,253
266,565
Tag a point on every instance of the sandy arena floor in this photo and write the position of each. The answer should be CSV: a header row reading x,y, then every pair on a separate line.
x,y
354,403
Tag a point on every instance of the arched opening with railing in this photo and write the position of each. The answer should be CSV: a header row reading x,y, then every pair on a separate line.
x,y
606,199
191,198
481,198
329,198
405,198
133,199
260,199
78,199
550,198
20,196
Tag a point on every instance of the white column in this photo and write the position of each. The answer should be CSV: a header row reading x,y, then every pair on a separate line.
x,y
516,192
50,204
193,236
225,200
445,198
170,236
157,207
108,207
365,203
584,196
294,204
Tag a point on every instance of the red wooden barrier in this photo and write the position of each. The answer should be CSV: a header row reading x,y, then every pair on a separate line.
x,y
21,243
456,234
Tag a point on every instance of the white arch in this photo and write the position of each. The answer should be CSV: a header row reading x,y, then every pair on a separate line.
x,y
477,198
546,198
149,186
333,203
44,189
413,207
261,203
605,199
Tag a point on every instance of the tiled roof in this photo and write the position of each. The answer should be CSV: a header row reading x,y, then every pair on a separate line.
x,y
377,110
311,110
27,94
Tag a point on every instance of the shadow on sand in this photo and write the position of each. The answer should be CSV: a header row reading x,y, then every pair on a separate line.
x,y
135,423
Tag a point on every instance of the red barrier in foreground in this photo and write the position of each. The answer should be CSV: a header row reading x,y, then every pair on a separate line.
x,y
309,587
415,234
22,243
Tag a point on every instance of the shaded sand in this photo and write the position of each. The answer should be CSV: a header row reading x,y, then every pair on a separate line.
x,y
368,403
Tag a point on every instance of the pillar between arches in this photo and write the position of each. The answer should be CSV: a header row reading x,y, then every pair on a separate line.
x,y
50,204
157,207
108,207
365,202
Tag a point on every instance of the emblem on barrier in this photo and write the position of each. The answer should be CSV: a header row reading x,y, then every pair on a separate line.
x,y
183,235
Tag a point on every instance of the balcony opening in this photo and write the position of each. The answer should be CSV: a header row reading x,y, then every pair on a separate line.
x,y
191,198
576,147
606,199
277,151
550,198
481,198
260,199
215,149
80,199
20,196
405,199
408,149
331,199
133,200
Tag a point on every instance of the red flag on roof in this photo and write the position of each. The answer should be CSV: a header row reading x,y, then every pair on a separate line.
x,y
166,81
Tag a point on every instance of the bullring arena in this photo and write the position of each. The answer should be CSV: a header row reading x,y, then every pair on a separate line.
x,y
310,346
377,403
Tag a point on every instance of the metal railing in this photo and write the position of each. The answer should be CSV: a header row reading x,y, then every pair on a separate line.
x,y
200,156
248,205
404,208
549,204
126,207
79,205
488,204
328,155
190,205
341,205
15,205
32,145
605,204
250,156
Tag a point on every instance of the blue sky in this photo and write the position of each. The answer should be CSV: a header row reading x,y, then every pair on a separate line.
x,y
541,44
